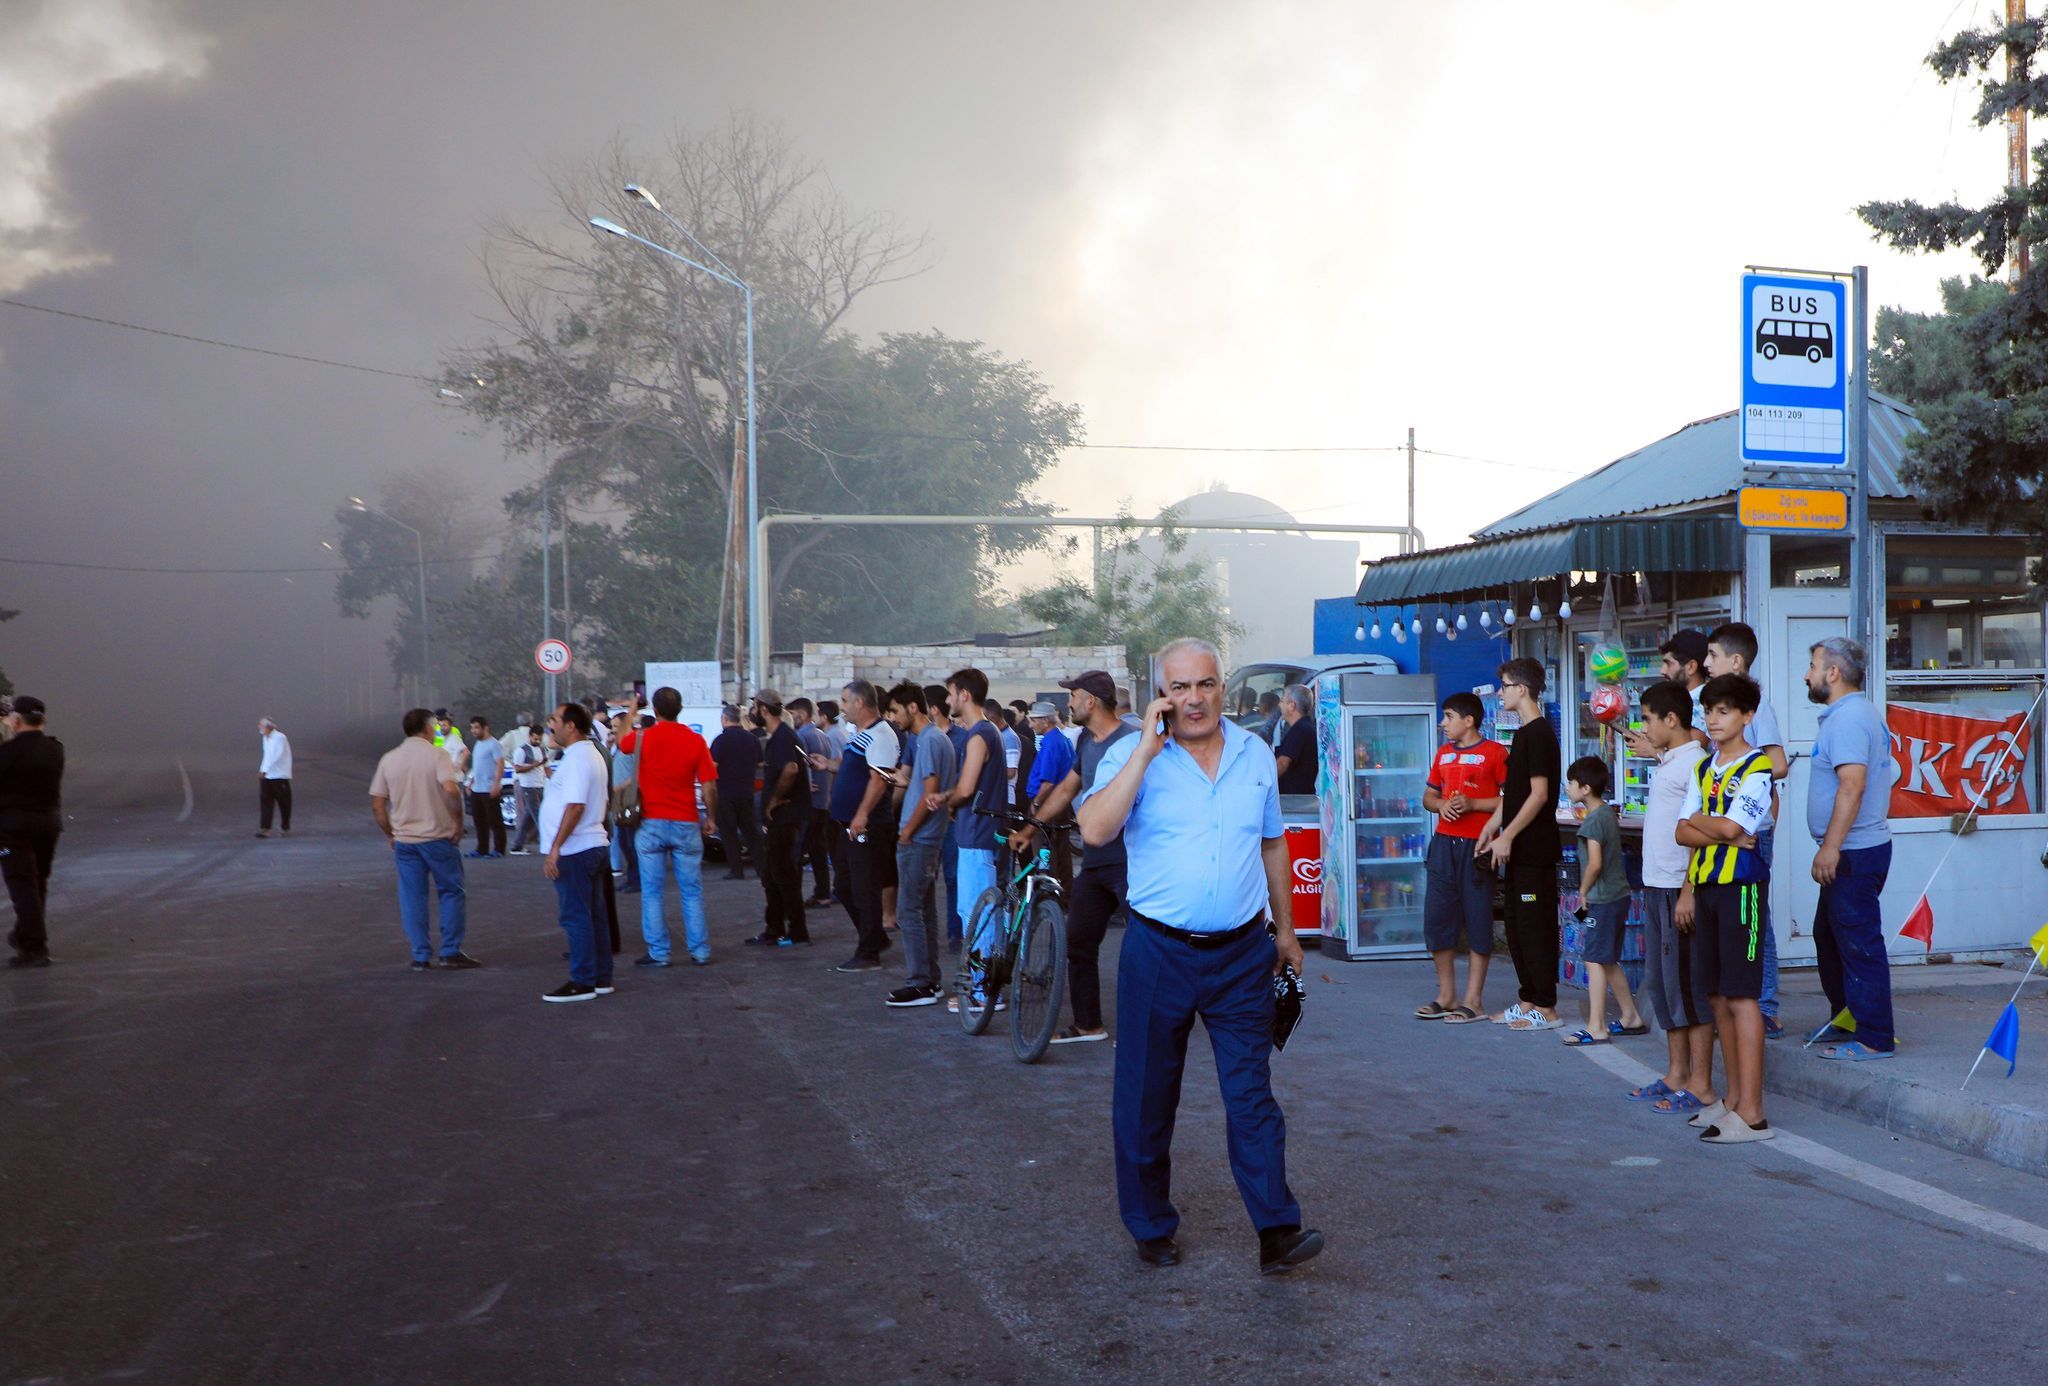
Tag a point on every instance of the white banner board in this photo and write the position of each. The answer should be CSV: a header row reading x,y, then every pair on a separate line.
x,y
698,682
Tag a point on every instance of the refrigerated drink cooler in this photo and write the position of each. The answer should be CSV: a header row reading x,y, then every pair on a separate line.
x,y
1375,734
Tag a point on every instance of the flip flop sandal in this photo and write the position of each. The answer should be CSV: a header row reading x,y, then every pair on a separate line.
x,y
1678,1102
1854,1052
1579,1039
1513,1013
1617,1029
1534,1021
1708,1115
1651,1091
1461,1015
1829,1032
1432,1012
1733,1130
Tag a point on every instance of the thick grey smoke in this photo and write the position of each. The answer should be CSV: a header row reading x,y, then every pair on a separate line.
x,y
312,177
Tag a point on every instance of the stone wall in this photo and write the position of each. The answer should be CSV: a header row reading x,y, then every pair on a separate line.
x,y
1014,671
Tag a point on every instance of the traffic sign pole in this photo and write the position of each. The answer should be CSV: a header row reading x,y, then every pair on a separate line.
x,y
1860,629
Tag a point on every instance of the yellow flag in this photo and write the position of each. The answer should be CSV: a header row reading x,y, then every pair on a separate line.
x,y
1845,1021
2039,943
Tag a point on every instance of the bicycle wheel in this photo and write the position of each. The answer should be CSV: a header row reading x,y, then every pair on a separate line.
x,y
1039,980
983,927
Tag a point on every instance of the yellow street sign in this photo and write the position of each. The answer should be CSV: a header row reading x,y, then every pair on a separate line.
x,y
1793,508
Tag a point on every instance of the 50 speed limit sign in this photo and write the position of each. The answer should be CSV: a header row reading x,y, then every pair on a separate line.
x,y
552,656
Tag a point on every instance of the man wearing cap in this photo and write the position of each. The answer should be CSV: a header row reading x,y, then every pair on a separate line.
x,y
1684,661
1098,891
1198,802
31,785
1049,766
274,779
785,812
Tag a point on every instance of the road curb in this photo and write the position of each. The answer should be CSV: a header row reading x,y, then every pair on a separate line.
x,y
2015,1137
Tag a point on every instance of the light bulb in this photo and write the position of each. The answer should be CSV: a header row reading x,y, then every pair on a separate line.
x,y
1415,626
1400,634
1535,612
1507,615
1440,626
1564,611
1375,628
1451,635
1359,633
1485,619
1461,622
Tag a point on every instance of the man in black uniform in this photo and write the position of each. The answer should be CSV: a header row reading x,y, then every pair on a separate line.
x,y
31,776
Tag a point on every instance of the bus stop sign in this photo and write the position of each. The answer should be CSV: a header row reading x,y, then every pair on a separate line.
x,y
1795,372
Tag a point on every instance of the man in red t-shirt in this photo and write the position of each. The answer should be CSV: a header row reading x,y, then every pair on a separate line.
x,y
673,762
1463,791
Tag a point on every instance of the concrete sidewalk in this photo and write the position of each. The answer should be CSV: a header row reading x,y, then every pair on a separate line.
x,y
1943,1014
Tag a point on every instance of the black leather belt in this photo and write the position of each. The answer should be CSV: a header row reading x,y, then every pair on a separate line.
x,y
1195,940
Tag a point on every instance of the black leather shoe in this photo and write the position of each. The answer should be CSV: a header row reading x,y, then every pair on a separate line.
x,y
21,960
1159,1251
1281,1249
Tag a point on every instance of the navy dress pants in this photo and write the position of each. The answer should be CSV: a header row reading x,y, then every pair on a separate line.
x,y
1162,984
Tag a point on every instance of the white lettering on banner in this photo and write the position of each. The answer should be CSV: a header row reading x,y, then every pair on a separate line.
x,y
1922,776
1987,752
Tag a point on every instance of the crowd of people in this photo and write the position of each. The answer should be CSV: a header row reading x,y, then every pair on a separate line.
x,y
1710,956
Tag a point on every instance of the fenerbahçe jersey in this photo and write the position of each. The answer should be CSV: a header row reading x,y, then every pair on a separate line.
x,y
1742,791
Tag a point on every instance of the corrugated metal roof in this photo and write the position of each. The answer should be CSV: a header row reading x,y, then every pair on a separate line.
x,y
1702,461
1657,544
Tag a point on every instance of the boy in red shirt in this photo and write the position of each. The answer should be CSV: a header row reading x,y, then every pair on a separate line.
x,y
1463,791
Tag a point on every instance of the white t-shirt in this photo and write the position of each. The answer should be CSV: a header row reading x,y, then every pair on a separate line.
x,y
1664,861
277,757
579,778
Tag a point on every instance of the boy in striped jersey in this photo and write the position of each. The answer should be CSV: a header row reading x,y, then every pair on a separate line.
x,y
1728,900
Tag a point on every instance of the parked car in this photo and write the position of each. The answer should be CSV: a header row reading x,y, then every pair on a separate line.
x,y
1249,684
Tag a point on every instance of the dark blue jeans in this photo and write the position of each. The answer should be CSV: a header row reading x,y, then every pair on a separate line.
x,y
1162,984
579,894
949,871
416,863
1848,941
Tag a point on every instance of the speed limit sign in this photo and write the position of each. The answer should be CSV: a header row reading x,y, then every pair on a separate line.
x,y
552,656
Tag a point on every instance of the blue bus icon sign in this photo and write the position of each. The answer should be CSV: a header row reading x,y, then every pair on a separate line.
x,y
1794,387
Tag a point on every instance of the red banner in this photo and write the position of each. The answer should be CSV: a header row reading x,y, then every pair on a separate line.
x,y
1305,871
1946,760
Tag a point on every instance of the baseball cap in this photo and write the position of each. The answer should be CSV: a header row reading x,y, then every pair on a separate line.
x,y
1095,682
768,698
1042,710
28,706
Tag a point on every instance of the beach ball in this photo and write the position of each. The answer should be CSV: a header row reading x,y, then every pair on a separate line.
x,y
1609,664
1607,704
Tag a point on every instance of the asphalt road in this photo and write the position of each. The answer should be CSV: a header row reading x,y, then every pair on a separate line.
x,y
241,1142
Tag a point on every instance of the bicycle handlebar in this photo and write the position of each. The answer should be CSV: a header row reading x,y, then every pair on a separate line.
x,y
1018,818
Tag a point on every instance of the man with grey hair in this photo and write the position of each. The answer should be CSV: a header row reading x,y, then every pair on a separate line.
x,y
1296,752
1848,798
274,779
1196,798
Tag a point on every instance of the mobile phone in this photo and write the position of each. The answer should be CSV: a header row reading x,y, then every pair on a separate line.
x,y
1164,727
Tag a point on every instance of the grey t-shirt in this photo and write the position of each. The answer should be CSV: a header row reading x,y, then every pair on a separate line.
x,y
1851,733
1088,753
932,755
1603,827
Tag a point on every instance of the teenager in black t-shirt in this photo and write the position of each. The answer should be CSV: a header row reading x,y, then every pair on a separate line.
x,y
1522,837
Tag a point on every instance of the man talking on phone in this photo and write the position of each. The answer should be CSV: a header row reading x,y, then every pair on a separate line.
x,y
1197,801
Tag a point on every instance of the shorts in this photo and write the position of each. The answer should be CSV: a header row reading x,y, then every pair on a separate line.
x,y
1600,935
1670,974
1457,894
1729,921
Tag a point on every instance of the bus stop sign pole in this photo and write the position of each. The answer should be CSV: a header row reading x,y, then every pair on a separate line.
x,y
1860,626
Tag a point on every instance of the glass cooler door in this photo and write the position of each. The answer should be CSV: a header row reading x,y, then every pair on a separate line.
x,y
1390,829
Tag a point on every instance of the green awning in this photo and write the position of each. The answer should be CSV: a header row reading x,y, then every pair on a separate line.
x,y
1677,544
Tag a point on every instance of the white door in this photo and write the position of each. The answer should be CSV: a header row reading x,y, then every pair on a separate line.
x,y
1799,618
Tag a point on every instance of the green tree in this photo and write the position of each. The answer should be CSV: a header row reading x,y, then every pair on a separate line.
x,y
626,372
1133,601
1978,374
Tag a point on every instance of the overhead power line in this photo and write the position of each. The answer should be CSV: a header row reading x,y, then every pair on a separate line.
x,y
417,378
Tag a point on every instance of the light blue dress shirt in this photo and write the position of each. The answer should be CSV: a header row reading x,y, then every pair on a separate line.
x,y
1194,844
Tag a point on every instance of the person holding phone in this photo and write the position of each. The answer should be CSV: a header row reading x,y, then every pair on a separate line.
x,y
1197,800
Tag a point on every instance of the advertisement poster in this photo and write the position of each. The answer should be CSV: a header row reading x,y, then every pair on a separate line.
x,y
1332,788
1947,759
1305,873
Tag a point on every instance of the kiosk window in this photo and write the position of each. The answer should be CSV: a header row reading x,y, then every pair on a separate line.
x,y
1960,602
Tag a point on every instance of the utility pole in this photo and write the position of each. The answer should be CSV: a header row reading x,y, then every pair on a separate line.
x,y
1408,539
547,566
2016,132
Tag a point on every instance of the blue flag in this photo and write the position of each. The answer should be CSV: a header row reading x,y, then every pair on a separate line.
x,y
2005,1038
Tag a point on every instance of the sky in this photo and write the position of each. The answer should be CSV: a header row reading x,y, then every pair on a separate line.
x,y
1296,224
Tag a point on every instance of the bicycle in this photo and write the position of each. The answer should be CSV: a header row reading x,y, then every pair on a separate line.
x,y
1027,922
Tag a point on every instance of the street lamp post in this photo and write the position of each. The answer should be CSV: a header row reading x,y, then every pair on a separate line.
x,y
756,656
419,547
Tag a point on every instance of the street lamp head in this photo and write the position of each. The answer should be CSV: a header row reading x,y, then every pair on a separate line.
x,y
447,393
635,190
357,502
609,227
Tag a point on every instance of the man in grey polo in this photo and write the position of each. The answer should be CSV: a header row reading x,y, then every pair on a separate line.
x,y
1197,800
921,831
1847,799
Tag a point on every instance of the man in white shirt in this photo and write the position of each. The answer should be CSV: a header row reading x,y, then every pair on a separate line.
x,y
523,753
448,737
274,784
572,810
